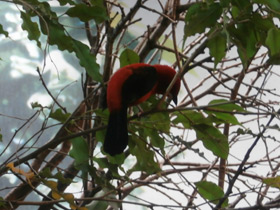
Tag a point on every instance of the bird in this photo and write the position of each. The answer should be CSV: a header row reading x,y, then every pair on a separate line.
x,y
129,86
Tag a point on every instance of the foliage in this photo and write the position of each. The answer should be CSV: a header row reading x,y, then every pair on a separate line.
x,y
218,148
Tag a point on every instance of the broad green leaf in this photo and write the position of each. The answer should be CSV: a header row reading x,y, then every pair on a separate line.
x,y
220,110
31,28
79,152
147,131
246,38
145,157
190,118
2,31
128,57
201,16
56,34
213,139
160,121
217,46
86,13
59,115
211,192
273,181
226,105
273,41
87,60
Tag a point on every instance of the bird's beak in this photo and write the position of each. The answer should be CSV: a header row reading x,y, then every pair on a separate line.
x,y
174,99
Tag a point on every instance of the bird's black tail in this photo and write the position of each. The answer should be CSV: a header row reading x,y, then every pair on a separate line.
x,y
116,138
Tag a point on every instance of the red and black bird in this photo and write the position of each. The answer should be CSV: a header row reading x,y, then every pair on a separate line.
x,y
129,86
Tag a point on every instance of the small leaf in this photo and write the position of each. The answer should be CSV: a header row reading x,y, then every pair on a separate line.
x,y
211,192
56,33
273,181
213,139
273,41
152,125
201,16
59,115
86,13
226,105
145,157
2,31
87,60
31,28
56,195
36,105
217,46
70,199
128,57
220,111
79,152
190,118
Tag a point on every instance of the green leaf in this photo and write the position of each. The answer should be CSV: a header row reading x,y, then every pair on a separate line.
x,y
213,139
79,152
273,181
246,37
273,41
2,31
145,157
190,118
87,60
220,110
31,28
153,125
201,16
36,105
128,57
159,121
226,105
86,13
217,46
56,34
211,192
59,115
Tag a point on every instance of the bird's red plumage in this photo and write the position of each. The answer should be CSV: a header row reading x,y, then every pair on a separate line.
x,y
131,85
115,85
